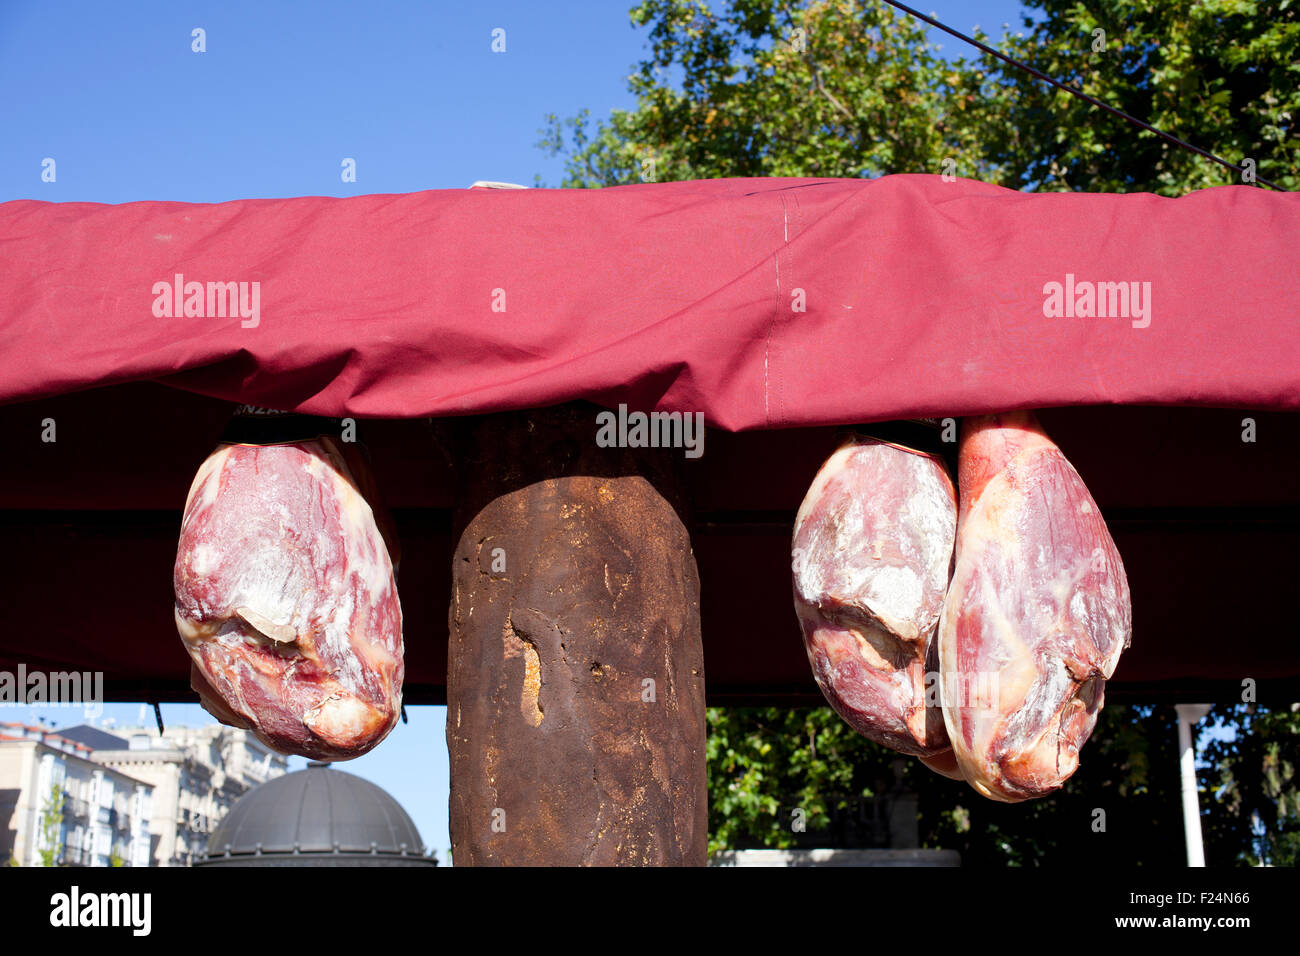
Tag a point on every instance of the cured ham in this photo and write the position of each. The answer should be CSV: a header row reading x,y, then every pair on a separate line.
x,y
873,548
286,599
1036,616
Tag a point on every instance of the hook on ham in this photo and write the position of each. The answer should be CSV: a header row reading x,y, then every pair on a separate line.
x,y
286,599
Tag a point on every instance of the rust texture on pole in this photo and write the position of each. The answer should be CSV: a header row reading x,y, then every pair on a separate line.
x,y
575,677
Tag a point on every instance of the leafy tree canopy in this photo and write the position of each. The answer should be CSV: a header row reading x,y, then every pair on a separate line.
x,y
854,89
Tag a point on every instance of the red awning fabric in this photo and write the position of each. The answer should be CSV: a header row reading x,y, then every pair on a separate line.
x,y
760,302
775,307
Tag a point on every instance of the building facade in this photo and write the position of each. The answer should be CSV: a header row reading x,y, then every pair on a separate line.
x,y
165,792
55,799
197,774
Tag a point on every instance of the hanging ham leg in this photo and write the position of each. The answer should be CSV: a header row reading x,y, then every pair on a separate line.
x,y
873,546
285,599
1036,616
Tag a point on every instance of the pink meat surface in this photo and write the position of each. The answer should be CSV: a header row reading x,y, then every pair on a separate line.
x,y
1037,613
286,600
873,547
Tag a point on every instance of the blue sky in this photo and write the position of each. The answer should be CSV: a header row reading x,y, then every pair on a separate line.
x,y
113,93
285,91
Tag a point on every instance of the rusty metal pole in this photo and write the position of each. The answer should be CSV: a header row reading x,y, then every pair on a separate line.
x,y
575,676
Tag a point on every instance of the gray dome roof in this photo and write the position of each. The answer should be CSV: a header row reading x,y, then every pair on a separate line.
x,y
316,816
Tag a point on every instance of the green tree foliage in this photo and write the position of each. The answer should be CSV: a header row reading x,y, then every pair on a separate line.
x,y
764,764
1223,75
777,88
1121,807
1252,788
51,827
852,88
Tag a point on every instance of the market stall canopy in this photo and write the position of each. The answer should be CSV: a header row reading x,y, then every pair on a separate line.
x,y
777,307
761,303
